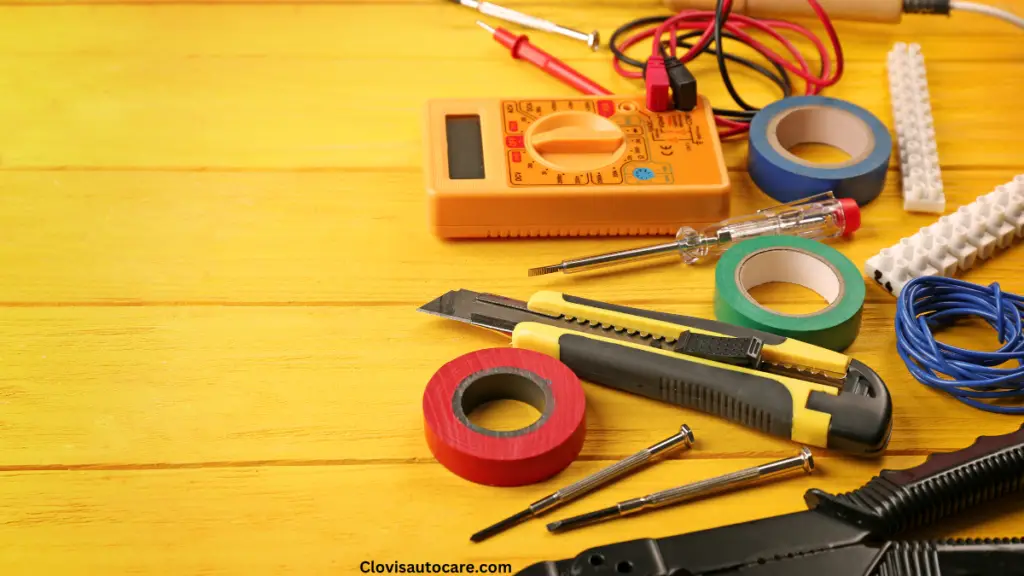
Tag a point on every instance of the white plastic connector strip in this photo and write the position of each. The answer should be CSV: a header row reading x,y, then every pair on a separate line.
x,y
956,242
915,130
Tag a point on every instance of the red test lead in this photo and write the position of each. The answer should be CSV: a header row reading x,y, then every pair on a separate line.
x,y
522,50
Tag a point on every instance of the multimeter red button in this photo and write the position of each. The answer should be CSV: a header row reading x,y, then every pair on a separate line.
x,y
514,142
606,108
643,173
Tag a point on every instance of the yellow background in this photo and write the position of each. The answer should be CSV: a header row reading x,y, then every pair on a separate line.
x,y
213,241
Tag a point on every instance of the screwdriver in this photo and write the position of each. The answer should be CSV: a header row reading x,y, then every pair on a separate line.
x,y
682,439
804,460
819,217
522,49
509,15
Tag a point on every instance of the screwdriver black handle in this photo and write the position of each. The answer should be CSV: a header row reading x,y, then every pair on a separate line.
x,y
946,483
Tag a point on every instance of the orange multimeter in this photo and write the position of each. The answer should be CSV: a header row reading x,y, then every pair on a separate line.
x,y
586,166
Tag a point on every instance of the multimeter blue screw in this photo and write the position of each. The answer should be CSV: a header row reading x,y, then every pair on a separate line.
x,y
643,173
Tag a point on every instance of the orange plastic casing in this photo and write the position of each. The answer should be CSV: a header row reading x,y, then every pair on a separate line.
x,y
668,172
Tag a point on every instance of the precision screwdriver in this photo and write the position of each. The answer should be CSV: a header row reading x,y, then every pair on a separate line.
x,y
818,217
522,49
682,439
804,460
509,15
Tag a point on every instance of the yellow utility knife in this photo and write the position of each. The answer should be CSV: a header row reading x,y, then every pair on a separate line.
x,y
780,386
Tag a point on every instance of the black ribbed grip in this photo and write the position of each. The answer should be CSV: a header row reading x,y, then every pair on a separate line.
x,y
713,401
750,399
724,349
976,556
898,500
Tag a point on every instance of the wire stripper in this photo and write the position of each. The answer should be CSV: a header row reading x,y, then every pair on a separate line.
x,y
847,534
780,386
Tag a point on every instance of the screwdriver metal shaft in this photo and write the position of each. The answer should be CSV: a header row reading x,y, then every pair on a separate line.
x,y
509,15
741,478
683,439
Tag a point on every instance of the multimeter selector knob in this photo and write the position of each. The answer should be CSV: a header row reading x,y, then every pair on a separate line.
x,y
575,141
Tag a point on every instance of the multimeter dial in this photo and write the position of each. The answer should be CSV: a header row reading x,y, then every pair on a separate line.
x,y
575,141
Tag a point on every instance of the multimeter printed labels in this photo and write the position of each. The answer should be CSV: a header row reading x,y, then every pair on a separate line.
x,y
660,149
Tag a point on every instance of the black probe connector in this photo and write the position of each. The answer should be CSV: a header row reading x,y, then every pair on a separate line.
x,y
926,7
682,83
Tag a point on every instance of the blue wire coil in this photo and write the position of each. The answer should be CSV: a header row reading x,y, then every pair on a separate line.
x,y
933,302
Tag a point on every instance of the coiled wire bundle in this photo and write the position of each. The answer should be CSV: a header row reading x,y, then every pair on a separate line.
x,y
932,302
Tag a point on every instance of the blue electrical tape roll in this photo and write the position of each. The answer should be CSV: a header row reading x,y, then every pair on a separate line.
x,y
804,119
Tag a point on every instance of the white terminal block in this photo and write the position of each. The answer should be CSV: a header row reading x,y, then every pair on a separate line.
x,y
915,130
956,242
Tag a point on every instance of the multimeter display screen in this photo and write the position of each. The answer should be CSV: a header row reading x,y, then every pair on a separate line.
x,y
465,147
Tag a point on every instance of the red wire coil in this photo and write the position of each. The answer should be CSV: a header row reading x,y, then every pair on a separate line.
x,y
737,24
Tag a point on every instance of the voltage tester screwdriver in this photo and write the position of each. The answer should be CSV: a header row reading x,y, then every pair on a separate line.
x,y
819,217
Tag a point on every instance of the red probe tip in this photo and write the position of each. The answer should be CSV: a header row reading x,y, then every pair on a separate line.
x,y
851,213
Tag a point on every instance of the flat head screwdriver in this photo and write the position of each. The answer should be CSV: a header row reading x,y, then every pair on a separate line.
x,y
741,478
682,440
818,217
525,20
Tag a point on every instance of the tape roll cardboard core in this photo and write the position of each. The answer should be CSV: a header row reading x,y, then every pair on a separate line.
x,y
502,383
817,124
502,386
793,267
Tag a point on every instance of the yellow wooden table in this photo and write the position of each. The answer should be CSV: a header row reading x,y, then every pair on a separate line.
x,y
214,241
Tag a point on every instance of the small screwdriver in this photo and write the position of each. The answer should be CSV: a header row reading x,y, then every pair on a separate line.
x,y
681,440
804,460
509,15
522,49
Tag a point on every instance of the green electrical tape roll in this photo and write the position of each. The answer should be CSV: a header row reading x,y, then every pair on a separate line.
x,y
798,261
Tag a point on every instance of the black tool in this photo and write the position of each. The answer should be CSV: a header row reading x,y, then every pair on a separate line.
x,y
843,535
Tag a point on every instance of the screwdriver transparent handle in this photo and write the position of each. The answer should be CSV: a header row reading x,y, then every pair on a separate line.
x,y
820,217
509,15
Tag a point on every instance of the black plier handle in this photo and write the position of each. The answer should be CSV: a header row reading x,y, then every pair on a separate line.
x,y
844,534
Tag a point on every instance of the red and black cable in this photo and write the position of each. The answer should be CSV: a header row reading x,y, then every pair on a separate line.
x,y
712,27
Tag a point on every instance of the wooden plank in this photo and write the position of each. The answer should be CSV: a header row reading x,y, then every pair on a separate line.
x,y
332,30
184,386
136,237
338,100
328,520
315,114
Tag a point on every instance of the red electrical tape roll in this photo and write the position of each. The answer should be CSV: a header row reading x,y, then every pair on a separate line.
x,y
516,457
